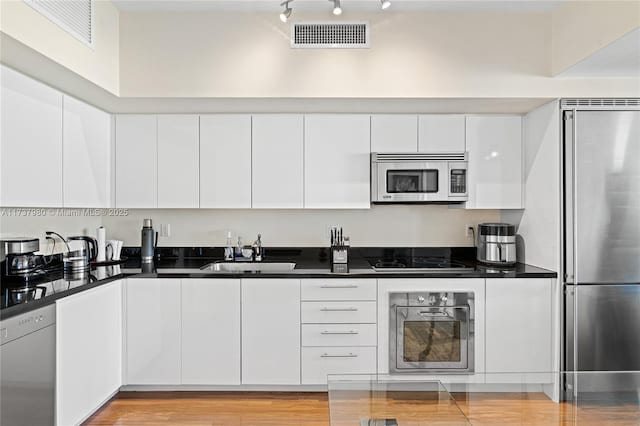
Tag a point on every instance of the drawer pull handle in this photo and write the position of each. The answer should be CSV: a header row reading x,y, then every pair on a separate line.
x,y
339,286
339,309
326,355
340,332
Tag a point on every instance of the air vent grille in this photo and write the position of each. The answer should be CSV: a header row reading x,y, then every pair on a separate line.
x,y
605,102
73,16
392,157
324,35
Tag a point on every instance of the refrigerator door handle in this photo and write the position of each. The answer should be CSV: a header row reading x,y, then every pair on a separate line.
x,y
569,197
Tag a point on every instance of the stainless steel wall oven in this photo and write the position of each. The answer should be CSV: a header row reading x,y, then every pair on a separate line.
x,y
431,332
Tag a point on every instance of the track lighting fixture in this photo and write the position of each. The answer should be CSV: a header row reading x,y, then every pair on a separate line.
x,y
337,10
286,13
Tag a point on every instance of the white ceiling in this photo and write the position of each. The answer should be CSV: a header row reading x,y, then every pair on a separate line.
x,y
618,59
527,6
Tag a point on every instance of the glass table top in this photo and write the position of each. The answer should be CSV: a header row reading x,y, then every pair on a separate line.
x,y
595,398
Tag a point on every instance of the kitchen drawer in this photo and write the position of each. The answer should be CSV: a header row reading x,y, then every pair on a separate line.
x,y
317,363
339,335
338,312
332,289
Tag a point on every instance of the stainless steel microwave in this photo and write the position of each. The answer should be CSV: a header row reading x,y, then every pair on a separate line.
x,y
419,178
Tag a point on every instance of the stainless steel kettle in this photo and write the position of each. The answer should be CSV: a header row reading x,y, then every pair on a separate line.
x,y
82,250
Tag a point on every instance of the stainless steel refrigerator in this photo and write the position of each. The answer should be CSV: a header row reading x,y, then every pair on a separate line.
x,y
601,240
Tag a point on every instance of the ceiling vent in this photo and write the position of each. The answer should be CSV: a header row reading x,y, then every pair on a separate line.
x,y
607,102
330,35
73,16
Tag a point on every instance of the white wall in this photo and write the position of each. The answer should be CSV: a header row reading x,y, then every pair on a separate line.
x,y
539,222
397,225
99,64
60,221
580,28
412,55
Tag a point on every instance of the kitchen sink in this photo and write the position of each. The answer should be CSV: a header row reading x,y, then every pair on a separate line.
x,y
249,267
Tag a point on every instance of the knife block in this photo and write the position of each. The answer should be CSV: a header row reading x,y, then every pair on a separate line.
x,y
340,259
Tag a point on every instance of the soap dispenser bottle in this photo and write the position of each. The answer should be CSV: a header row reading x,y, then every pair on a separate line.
x,y
228,250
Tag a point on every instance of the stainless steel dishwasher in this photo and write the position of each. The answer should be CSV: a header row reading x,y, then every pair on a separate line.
x,y
27,368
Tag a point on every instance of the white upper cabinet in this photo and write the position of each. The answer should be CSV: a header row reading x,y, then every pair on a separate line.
x,y
178,161
337,161
30,142
394,133
210,332
277,161
271,331
136,161
494,143
225,161
441,133
87,155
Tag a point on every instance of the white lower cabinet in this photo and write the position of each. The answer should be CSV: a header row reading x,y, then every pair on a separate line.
x,y
271,332
153,331
211,332
339,312
339,332
88,351
519,325
319,362
339,335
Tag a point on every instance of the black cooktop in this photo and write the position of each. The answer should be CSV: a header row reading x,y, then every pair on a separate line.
x,y
413,263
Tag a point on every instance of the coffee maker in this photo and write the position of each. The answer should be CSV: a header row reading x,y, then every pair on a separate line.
x,y
20,258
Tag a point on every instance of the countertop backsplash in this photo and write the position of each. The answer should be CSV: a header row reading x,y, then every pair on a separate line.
x,y
390,225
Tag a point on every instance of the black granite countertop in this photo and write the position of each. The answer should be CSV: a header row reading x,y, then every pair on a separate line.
x,y
314,263
56,286
310,263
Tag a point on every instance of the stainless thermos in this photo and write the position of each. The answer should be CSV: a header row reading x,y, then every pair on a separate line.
x,y
149,241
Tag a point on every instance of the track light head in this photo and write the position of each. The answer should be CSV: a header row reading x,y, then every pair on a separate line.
x,y
385,4
337,9
286,13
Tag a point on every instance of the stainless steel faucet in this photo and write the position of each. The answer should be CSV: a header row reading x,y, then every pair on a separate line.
x,y
257,249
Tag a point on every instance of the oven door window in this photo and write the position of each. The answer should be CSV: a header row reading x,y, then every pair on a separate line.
x,y
432,341
432,338
412,181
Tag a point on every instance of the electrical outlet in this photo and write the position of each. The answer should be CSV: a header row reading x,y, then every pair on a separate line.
x,y
469,230
165,230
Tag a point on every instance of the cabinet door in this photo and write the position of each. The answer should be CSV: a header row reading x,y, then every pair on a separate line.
x,y
88,351
337,161
178,161
87,155
495,162
394,133
441,133
277,161
136,161
30,142
211,332
271,332
225,161
519,325
153,331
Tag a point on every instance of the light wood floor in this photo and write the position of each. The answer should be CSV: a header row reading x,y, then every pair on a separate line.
x,y
284,408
